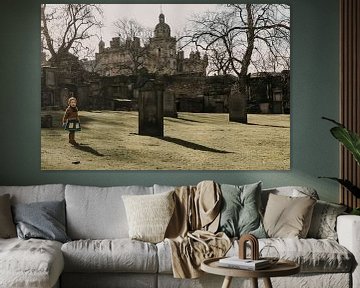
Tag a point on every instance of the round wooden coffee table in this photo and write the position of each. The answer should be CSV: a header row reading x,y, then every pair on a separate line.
x,y
281,268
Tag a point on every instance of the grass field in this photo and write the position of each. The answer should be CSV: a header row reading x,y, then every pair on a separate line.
x,y
193,141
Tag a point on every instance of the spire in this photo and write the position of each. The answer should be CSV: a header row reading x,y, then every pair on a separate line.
x,y
161,18
162,29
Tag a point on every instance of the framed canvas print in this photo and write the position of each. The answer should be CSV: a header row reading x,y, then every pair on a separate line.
x,y
165,87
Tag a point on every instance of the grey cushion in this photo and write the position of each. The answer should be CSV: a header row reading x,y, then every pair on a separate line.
x,y
44,220
323,222
7,226
240,213
98,213
30,263
117,255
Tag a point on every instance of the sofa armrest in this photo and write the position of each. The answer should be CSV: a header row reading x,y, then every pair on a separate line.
x,y
348,230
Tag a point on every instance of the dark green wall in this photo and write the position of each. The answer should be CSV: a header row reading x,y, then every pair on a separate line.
x,y
314,92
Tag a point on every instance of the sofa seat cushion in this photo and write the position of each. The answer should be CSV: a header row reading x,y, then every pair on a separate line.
x,y
313,255
30,263
110,255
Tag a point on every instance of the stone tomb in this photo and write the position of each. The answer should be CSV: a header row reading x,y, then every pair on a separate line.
x,y
151,119
170,104
237,105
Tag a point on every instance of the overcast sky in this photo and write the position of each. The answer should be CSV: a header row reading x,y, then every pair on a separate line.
x,y
176,15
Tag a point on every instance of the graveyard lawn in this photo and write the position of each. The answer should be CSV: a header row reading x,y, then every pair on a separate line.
x,y
109,140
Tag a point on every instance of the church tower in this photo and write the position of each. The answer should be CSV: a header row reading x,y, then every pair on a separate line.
x,y
162,49
162,30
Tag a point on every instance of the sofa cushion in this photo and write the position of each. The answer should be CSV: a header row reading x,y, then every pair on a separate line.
x,y
98,213
323,222
164,257
149,215
287,216
7,226
109,280
163,188
43,220
291,191
35,193
240,210
30,263
117,255
313,255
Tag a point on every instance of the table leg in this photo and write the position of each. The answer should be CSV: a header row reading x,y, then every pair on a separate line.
x,y
227,282
267,283
254,282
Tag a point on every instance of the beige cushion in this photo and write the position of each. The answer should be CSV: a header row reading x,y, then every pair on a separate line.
x,y
287,217
293,191
149,215
7,226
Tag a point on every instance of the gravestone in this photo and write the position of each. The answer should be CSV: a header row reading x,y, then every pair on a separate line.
x,y
151,119
237,105
170,104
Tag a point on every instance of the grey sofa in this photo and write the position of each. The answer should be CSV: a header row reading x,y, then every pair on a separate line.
x,y
101,254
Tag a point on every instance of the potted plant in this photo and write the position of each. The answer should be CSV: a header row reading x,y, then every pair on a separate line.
x,y
351,141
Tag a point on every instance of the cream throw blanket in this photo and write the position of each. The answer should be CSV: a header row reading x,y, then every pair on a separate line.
x,y
191,231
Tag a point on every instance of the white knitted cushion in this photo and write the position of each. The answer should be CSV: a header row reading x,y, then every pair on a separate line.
x,y
148,215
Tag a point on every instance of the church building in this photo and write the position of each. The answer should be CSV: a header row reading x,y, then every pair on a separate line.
x,y
159,56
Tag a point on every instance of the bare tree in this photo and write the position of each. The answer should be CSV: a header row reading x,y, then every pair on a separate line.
x,y
218,60
253,35
135,39
129,29
65,27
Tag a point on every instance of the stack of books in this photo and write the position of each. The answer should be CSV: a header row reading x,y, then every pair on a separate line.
x,y
248,264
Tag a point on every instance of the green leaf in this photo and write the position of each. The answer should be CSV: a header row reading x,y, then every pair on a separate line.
x,y
349,139
347,184
355,211
333,121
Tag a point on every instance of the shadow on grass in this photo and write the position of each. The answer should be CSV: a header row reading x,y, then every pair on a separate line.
x,y
182,120
87,148
189,120
191,145
265,125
